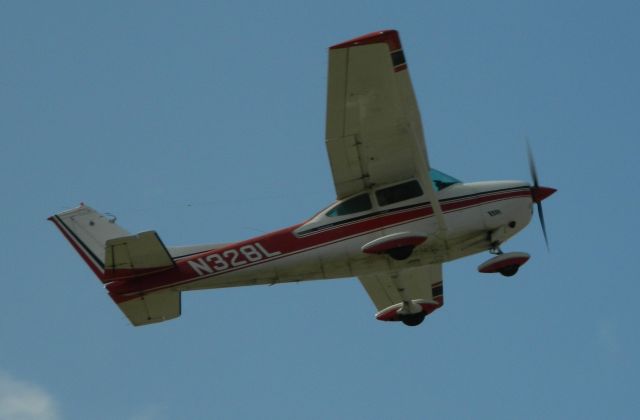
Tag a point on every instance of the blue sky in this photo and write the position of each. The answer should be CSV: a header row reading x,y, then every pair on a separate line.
x,y
205,122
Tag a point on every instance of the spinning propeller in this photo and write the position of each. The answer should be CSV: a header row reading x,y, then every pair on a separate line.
x,y
538,193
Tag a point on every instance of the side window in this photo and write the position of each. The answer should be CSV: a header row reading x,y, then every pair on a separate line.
x,y
398,193
356,204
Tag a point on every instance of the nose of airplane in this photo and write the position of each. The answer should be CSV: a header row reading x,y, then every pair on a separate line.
x,y
540,193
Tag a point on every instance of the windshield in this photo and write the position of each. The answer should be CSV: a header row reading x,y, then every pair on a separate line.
x,y
442,180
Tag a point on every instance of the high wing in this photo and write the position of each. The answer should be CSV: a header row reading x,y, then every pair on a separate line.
x,y
374,131
415,290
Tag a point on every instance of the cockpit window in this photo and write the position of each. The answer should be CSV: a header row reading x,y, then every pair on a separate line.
x,y
356,204
442,180
398,193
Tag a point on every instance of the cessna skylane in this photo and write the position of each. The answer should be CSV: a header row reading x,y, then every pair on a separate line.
x,y
395,220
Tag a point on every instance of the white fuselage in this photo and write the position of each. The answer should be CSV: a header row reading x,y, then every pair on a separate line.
x,y
478,216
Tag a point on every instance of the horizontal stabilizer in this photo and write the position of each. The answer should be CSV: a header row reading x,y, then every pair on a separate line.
x,y
133,255
151,308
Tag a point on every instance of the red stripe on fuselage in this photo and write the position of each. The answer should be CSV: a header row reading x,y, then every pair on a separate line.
x,y
287,243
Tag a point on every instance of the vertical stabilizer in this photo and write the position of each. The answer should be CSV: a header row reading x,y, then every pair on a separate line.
x,y
88,232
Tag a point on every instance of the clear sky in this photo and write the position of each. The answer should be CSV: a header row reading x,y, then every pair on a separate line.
x,y
205,122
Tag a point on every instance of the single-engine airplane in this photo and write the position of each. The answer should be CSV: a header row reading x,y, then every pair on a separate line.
x,y
395,222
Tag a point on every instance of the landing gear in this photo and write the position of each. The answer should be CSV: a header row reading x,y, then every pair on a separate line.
x,y
410,312
506,264
509,271
398,246
413,320
401,253
495,249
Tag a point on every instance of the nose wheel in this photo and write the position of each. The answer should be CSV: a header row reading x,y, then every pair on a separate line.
x,y
506,264
509,271
506,271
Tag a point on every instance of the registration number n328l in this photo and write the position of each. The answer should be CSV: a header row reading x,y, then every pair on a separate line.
x,y
230,258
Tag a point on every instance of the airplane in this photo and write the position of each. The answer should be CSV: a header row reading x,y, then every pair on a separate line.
x,y
394,223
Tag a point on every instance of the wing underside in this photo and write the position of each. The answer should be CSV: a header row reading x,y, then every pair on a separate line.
x,y
374,132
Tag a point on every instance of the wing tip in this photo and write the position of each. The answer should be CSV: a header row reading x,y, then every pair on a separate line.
x,y
388,36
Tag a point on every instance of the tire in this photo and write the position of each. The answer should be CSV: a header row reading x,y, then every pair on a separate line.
x,y
413,319
401,253
510,270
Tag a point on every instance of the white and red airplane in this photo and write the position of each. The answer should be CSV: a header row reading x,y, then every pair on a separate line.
x,y
395,222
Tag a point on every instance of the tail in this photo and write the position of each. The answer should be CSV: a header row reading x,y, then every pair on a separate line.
x,y
88,232
115,255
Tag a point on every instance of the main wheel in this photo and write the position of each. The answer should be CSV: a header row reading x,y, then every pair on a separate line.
x,y
400,253
413,319
509,271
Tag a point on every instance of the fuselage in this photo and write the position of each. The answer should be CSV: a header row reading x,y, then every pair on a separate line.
x,y
329,245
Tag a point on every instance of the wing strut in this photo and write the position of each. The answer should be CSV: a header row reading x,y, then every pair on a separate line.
x,y
437,209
